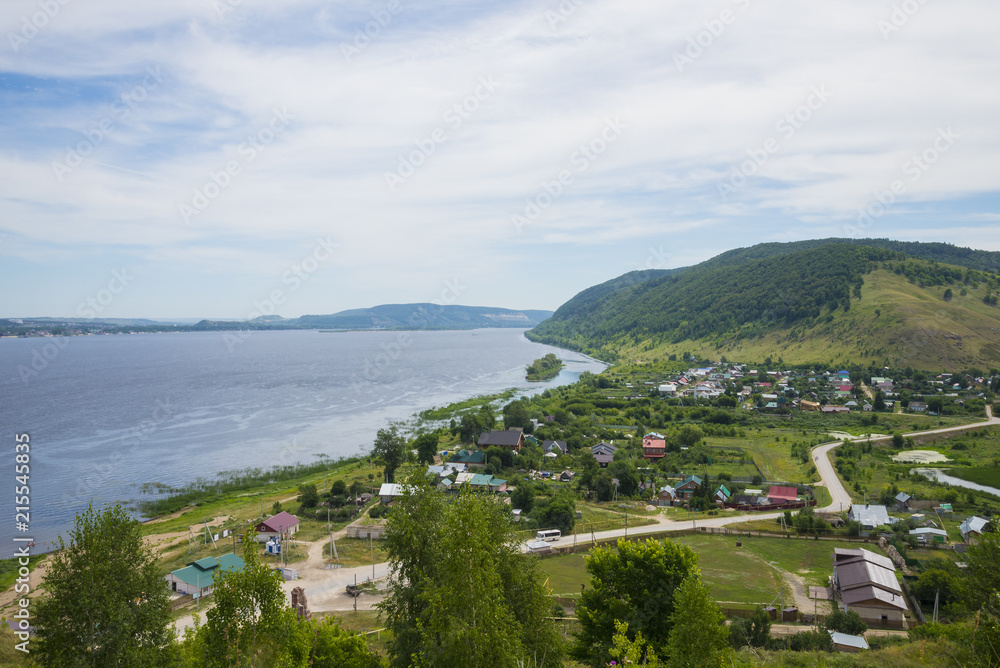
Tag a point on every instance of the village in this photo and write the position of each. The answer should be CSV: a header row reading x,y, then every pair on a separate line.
x,y
878,543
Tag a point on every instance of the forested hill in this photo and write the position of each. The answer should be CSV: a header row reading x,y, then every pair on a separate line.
x,y
767,292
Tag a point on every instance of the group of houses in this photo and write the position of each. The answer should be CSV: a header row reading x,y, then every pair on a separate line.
x,y
197,578
750,499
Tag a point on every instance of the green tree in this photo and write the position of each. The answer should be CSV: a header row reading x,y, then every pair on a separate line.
x,y
845,622
333,647
634,582
250,624
462,592
981,583
338,488
754,631
523,496
308,496
628,476
556,512
699,637
390,451
515,414
426,445
107,602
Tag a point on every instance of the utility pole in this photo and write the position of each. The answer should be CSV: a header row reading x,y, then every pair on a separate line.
x,y
371,544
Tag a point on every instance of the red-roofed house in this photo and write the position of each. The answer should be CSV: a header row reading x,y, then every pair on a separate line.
x,y
282,525
653,446
782,494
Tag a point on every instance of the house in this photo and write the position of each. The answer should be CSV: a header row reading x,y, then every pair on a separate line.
x,y
666,497
390,490
445,469
973,528
844,642
743,499
198,577
871,517
281,525
604,453
808,405
567,476
835,409
777,494
903,502
927,535
866,583
917,406
558,447
667,390
654,446
722,494
686,489
470,458
485,482
507,438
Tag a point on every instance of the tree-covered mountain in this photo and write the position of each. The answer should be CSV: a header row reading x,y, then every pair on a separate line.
x,y
796,298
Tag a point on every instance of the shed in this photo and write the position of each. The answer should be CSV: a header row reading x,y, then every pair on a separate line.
x,y
844,642
198,577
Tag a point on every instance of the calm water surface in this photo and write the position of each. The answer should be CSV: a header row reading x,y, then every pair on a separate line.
x,y
106,413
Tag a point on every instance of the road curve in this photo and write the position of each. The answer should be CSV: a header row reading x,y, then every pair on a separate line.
x,y
840,498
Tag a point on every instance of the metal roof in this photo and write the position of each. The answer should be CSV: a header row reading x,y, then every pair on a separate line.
x,y
280,522
857,642
872,516
507,438
873,597
976,524
202,573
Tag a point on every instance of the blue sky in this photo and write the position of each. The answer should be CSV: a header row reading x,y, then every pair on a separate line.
x,y
334,155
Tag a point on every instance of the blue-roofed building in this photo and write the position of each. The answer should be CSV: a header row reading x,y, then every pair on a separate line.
x,y
198,577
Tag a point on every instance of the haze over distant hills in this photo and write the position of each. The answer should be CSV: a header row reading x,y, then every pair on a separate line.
x,y
385,316
873,301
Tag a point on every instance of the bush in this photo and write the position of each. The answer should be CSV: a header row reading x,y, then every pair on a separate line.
x,y
849,622
809,641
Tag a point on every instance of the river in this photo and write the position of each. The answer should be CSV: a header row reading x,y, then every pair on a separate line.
x,y
108,413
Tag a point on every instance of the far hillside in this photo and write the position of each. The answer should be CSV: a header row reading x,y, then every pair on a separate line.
x,y
835,302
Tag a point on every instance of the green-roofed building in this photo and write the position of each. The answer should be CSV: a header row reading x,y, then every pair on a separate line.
x,y
198,577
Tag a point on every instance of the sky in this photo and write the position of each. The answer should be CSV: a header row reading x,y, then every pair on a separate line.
x,y
226,158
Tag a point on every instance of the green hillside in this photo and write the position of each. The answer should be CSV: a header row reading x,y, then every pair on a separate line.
x,y
830,302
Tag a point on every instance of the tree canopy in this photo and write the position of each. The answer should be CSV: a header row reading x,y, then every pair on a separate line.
x,y
462,593
389,450
107,602
634,582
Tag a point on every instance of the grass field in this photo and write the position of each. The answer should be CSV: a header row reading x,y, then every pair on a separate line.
x,y
744,575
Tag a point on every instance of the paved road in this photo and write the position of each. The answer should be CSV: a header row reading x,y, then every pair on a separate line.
x,y
841,499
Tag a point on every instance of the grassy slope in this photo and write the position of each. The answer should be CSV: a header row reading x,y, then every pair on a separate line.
x,y
915,327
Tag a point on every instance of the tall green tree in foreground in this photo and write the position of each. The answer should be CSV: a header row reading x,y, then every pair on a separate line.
x,y
426,446
107,602
699,637
462,593
389,450
635,582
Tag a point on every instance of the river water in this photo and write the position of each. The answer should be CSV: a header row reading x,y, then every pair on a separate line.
x,y
108,413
